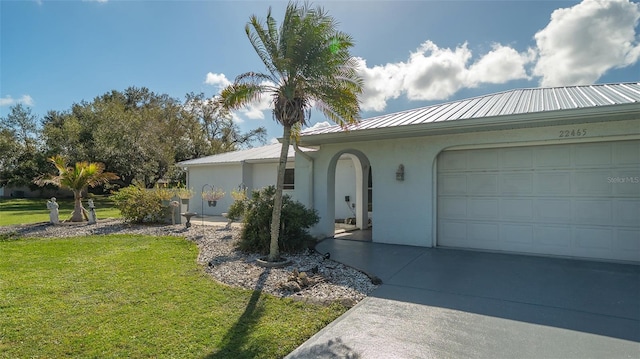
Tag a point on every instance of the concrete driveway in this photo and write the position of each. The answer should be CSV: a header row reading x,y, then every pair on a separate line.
x,y
437,303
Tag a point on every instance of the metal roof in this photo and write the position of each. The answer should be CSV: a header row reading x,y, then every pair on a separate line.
x,y
513,102
257,154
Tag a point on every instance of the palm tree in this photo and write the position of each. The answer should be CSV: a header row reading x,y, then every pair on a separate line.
x,y
76,179
309,64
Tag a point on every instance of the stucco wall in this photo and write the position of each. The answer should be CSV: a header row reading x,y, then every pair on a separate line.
x,y
229,176
225,176
403,211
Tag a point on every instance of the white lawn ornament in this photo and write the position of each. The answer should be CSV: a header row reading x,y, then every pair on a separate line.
x,y
52,206
174,205
92,212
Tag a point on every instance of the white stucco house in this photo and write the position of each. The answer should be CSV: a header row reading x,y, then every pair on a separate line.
x,y
544,171
256,168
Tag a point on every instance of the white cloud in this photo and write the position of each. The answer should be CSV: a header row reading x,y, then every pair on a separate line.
x,y
578,46
583,42
434,73
380,84
319,125
10,101
500,65
219,80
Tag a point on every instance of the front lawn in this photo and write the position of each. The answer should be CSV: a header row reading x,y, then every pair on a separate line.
x,y
127,296
34,210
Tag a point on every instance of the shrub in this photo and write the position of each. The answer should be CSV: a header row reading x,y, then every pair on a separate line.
x,y
140,205
256,232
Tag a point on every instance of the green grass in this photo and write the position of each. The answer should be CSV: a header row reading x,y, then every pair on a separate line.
x,y
131,296
34,210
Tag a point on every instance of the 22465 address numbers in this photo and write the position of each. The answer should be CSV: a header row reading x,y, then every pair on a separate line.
x,y
581,132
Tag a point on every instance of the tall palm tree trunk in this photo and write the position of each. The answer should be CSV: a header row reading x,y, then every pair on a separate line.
x,y
274,253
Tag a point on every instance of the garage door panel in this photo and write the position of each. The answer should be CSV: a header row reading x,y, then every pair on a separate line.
x,y
452,184
593,239
549,157
592,211
625,183
453,207
516,234
517,159
454,232
453,161
518,209
485,160
554,210
553,237
482,184
592,183
516,184
482,232
627,213
593,155
628,240
553,183
580,200
626,153
483,208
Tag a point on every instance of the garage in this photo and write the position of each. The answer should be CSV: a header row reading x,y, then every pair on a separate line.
x,y
578,200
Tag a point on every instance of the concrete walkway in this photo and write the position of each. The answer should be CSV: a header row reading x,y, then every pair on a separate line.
x,y
451,303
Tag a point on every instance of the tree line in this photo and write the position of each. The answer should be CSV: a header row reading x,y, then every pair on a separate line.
x,y
138,135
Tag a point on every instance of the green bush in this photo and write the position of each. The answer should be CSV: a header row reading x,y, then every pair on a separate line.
x,y
256,232
140,205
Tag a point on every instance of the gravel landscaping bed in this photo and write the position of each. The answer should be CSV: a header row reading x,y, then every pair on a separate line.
x,y
309,277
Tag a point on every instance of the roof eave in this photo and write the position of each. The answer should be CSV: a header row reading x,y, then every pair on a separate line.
x,y
261,160
547,118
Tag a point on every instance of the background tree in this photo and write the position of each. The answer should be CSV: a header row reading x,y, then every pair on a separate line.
x,y
22,153
214,131
308,63
140,135
77,179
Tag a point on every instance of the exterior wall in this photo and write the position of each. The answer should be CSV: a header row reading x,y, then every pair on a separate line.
x,y
404,211
266,174
227,177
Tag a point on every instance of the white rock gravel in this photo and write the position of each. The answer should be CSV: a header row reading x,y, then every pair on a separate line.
x,y
330,281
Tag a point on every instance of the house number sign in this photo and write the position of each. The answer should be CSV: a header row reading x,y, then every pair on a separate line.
x,y
574,132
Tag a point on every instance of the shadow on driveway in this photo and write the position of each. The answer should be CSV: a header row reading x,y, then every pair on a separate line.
x,y
442,302
586,296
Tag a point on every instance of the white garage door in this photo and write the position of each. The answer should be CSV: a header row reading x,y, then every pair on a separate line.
x,y
579,200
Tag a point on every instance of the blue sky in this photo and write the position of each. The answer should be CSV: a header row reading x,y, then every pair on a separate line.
x,y
411,53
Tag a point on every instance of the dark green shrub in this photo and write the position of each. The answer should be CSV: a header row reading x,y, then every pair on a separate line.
x,y
140,205
256,232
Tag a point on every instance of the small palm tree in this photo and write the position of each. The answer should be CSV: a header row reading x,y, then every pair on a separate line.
x,y
77,179
309,64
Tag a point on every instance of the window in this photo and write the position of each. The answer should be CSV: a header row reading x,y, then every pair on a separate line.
x,y
289,178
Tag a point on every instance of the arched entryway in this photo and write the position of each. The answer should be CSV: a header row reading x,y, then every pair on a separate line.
x,y
350,188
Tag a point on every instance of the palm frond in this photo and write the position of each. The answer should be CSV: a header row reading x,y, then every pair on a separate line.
x,y
263,44
238,95
77,177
